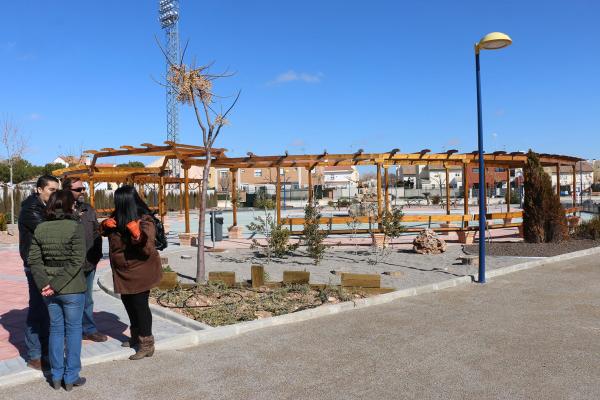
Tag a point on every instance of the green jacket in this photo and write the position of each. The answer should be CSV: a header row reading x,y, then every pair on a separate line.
x,y
57,254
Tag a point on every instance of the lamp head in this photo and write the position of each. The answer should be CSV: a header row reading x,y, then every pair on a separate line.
x,y
493,41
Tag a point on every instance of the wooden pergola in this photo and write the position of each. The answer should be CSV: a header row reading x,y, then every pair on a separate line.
x,y
190,155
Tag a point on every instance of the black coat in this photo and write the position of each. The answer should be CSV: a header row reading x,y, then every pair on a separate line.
x,y
31,215
93,240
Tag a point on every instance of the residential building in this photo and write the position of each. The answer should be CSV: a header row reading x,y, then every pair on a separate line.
x,y
584,176
340,176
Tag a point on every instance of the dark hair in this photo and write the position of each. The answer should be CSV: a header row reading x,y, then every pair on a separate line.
x,y
128,207
60,201
43,180
68,182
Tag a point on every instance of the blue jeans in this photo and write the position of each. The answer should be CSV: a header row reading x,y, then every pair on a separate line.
x,y
36,325
89,326
66,312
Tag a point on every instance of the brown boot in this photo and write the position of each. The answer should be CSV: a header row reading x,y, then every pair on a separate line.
x,y
145,349
133,340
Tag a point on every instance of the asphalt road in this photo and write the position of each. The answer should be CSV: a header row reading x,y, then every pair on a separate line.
x,y
533,334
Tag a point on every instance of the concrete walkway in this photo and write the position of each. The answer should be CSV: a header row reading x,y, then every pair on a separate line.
x,y
534,334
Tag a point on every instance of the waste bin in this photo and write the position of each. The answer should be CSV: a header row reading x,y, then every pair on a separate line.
x,y
216,226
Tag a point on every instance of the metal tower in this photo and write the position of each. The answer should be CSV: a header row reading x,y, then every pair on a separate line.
x,y
168,11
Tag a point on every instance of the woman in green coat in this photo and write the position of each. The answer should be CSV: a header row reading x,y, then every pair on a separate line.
x,y
56,257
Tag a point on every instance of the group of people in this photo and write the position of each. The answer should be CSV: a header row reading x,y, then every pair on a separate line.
x,y
60,243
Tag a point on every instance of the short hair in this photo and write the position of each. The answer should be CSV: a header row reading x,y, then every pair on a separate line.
x,y
43,180
60,200
68,182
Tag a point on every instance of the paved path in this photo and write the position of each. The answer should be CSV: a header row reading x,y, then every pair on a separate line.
x,y
109,314
534,334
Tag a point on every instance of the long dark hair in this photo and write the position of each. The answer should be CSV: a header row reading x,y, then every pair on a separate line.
x,y
60,205
128,207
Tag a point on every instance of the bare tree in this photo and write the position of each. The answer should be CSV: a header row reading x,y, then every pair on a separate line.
x,y
15,145
194,86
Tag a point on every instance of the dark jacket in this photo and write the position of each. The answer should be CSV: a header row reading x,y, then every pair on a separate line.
x,y
93,240
135,263
56,255
31,215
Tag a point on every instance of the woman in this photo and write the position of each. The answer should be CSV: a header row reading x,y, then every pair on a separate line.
x,y
56,257
135,264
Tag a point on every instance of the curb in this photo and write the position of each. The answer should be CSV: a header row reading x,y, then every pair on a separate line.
x,y
104,283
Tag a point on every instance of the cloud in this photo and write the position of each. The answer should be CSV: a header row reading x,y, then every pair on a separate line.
x,y
494,135
453,142
298,143
34,116
293,76
500,112
8,46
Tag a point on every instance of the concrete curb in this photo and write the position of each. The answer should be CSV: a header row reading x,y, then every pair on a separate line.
x,y
104,281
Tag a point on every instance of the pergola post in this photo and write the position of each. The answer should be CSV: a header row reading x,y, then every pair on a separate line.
x,y
310,186
379,200
447,190
386,198
508,189
574,167
180,199
278,196
234,195
92,193
161,198
186,190
466,189
558,180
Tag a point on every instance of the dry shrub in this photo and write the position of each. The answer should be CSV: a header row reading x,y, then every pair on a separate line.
x,y
589,229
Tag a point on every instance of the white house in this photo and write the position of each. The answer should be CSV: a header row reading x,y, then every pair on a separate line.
x,y
584,175
340,176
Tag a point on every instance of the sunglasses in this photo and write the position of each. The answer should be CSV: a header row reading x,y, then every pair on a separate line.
x,y
78,190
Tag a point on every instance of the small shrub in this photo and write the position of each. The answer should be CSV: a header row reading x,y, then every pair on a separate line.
x,y
167,268
313,237
277,237
589,229
435,199
343,203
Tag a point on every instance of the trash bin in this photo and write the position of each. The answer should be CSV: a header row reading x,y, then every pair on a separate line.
x,y
216,226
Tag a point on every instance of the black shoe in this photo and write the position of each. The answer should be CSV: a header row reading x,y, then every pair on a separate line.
x,y
56,385
78,382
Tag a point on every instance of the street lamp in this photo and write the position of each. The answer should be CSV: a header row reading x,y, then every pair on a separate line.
x,y
491,41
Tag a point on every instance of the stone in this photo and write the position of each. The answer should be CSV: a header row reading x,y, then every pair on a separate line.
x,y
263,314
428,242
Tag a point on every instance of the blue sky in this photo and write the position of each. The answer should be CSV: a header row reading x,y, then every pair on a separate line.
x,y
335,75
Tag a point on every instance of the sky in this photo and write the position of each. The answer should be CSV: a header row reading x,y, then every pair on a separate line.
x,y
314,75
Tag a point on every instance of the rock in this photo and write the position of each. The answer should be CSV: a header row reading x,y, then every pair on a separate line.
x,y
428,242
263,314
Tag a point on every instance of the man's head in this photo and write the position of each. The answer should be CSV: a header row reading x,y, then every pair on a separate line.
x,y
75,185
46,185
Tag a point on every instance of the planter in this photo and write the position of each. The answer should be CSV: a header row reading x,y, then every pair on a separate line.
x,y
235,232
379,240
168,281
188,239
466,237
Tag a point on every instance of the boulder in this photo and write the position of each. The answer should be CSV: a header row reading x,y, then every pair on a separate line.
x,y
428,242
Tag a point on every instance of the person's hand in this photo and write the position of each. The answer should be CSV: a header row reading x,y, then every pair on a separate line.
x,y
109,223
134,228
47,291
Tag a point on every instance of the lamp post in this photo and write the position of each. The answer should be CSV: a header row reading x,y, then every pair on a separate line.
x,y
491,41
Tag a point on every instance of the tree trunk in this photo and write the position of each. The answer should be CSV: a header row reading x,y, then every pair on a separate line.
x,y
201,265
12,196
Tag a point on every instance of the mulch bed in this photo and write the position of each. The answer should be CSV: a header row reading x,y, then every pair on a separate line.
x,y
521,249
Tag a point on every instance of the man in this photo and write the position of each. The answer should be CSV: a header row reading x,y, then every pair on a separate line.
x,y
31,215
93,246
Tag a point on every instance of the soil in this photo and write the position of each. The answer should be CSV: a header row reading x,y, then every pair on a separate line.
x,y
521,249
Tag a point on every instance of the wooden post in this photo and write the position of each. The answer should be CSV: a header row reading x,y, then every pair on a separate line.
x,y
379,205
447,190
278,196
92,193
574,166
508,189
558,180
466,190
310,186
180,199
386,198
141,191
257,275
186,190
234,195
161,199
